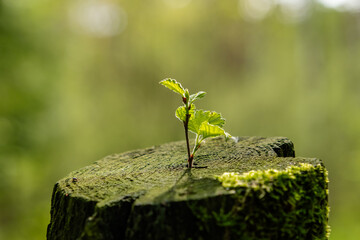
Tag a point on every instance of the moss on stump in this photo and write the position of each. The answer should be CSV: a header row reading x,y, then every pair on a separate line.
x,y
266,193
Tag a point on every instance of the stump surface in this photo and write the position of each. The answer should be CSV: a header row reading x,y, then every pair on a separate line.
x,y
127,196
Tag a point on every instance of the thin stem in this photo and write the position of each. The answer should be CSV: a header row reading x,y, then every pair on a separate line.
x,y
186,124
196,145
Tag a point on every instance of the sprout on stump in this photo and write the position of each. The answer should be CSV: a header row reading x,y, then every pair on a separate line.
x,y
204,124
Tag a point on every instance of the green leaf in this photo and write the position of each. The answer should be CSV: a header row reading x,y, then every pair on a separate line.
x,y
207,130
173,85
197,96
201,116
180,113
216,119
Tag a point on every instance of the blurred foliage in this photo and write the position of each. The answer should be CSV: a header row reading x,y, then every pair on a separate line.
x,y
78,81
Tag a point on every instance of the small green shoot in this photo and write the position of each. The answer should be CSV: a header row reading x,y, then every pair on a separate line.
x,y
204,124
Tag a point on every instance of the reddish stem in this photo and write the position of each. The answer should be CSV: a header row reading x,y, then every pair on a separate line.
x,y
190,161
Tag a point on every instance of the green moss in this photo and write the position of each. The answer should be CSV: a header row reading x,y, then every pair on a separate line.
x,y
272,204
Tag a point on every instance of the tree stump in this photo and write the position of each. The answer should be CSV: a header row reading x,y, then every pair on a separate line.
x,y
149,194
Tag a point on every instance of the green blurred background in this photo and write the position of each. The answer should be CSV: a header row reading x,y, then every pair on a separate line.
x,y
79,81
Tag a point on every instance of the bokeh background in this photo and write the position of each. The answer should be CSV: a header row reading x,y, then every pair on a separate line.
x,y
79,81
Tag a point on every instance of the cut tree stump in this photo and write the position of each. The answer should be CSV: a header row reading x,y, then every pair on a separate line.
x,y
149,194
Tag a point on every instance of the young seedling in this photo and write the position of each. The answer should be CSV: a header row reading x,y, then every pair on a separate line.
x,y
204,124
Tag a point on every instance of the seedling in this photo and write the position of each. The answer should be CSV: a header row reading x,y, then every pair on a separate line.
x,y
204,124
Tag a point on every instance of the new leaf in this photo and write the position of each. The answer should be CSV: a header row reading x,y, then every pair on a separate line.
x,y
207,130
197,96
207,124
201,116
180,113
173,85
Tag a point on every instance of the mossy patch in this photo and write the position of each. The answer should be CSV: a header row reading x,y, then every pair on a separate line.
x,y
272,204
